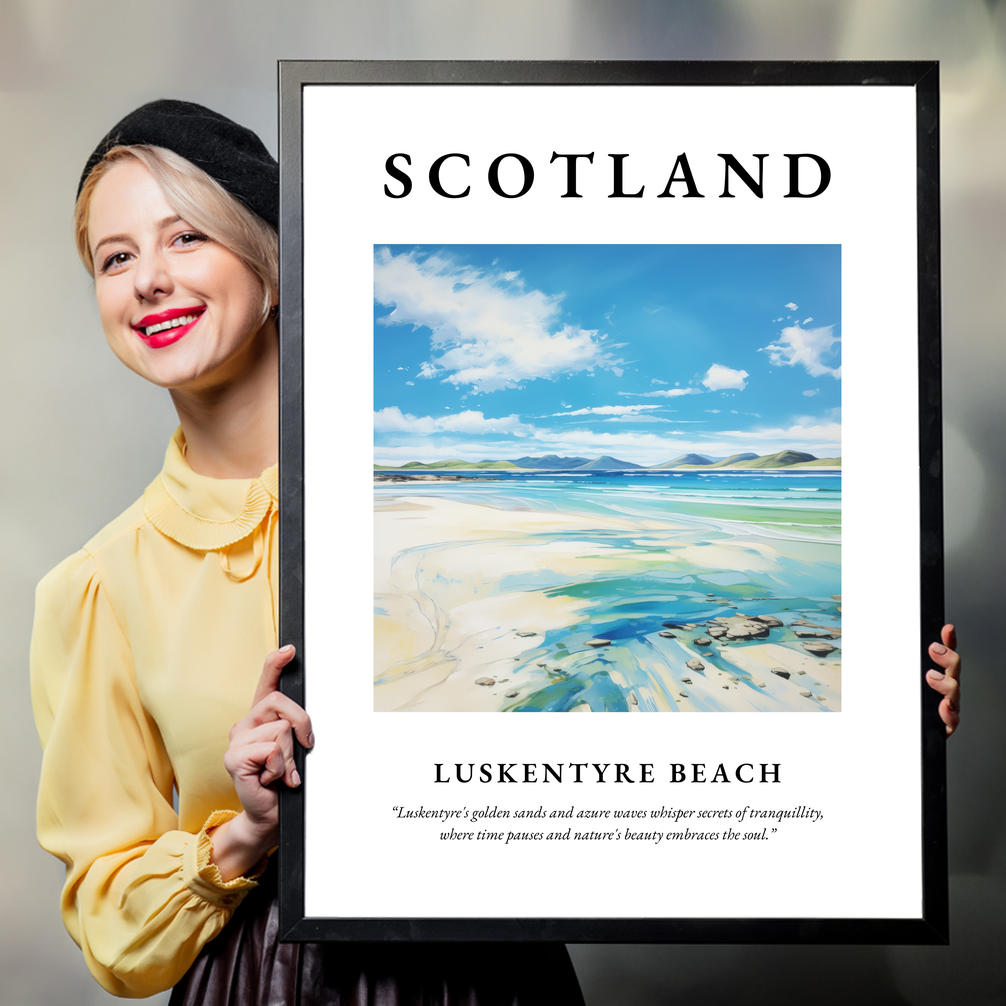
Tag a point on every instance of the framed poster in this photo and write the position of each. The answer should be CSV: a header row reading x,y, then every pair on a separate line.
x,y
612,388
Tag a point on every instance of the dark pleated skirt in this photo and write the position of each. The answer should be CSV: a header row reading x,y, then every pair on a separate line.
x,y
246,965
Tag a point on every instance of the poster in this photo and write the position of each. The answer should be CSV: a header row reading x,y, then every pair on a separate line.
x,y
609,404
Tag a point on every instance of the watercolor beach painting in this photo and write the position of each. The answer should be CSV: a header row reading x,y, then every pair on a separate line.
x,y
607,478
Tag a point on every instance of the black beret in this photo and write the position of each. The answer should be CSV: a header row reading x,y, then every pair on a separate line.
x,y
230,154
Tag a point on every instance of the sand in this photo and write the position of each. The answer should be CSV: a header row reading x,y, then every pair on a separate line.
x,y
429,654
463,594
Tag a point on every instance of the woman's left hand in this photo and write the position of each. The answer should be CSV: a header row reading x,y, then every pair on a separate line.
x,y
947,682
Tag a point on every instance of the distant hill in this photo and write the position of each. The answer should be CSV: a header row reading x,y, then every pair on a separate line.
x,y
782,459
549,461
701,461
686,462
735,460
449,463
607,463
819,463
687,459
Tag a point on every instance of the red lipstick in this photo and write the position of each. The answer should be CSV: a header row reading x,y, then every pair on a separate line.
x,y
166,328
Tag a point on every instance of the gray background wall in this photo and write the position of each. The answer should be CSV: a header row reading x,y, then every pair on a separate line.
x,y
82,436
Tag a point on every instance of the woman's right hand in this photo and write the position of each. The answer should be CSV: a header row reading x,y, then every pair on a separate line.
x,y
259,754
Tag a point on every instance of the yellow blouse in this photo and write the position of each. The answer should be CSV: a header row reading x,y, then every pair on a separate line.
x,y
147,647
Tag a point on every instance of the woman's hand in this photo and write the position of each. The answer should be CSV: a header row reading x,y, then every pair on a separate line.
x,y
260,753
947,682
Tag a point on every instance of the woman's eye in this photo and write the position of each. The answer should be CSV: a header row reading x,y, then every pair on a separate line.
x,y
114,261
190,238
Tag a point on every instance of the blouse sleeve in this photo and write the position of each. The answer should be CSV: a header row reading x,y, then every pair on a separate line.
x,y
141,898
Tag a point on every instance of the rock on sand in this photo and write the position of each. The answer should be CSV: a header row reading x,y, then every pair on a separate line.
x,y
819,649
747,630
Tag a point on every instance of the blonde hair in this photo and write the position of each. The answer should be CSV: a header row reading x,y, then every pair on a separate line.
x,y
199,200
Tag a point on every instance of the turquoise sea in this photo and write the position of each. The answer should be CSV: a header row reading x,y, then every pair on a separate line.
x,y
670,555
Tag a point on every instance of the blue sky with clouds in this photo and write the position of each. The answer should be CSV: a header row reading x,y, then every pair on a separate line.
x,y
643,352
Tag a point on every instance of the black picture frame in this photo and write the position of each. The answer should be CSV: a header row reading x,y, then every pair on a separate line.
x,y
932,925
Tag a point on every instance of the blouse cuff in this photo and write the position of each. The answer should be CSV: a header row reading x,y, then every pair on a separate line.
x,y
202,876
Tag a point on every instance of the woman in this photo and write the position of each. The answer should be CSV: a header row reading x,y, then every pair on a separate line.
x,y
149,642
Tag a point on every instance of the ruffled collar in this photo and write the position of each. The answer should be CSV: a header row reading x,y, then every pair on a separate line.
x,y
203,513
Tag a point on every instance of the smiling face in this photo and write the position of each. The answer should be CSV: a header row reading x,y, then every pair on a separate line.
x,y
177,307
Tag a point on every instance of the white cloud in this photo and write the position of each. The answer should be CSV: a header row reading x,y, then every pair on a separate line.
x,y
671,393
645,448
811,394
807,321
719,377
806,430
627,445
607,410
475,422
634,445
656,380
472,436
489,330
814,435
637,417
439,448
806,347
791,306
393,420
